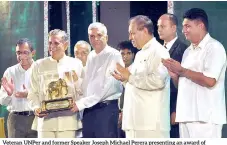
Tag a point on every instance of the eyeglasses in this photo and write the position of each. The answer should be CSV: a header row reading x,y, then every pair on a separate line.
x,y
22,52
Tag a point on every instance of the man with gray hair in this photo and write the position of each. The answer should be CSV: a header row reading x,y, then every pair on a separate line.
x,y
146,99
100,90
55,76
81,51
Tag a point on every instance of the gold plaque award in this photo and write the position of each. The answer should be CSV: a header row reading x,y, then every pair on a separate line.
x,y
58,98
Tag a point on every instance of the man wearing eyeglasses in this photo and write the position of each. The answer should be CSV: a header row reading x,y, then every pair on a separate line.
x,y
13,93
81,51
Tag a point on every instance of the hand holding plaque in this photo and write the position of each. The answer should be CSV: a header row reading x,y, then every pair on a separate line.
x,y
74,76
38,112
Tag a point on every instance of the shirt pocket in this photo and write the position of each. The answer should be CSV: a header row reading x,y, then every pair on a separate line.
x,y
141,66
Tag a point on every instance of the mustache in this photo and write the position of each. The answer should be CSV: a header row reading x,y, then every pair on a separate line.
x,y
54,49
29,60
24,58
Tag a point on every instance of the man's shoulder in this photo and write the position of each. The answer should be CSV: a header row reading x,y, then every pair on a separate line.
x,y
215,42
12,68
42,60
215,48
74,61
159,49
116,55
155,44
181,44
112,50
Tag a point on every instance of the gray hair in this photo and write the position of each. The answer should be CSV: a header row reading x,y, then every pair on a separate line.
x,y
143,22
63,34
99,26
23,41
82,42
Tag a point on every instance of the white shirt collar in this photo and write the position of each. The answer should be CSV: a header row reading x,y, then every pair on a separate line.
x,y
130,67
148,43
102,52
61,60
21,69
202,43
170,43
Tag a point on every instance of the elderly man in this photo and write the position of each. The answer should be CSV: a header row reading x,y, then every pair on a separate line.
x,y
167,30
81,51
57,76
146,99
200,79
13,92
100,90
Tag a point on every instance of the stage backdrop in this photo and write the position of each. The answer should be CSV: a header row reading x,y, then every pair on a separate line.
x,y
18,20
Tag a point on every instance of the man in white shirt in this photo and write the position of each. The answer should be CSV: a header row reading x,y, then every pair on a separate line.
x,y
100,90
200,79
128,53
146,100
81,51
13,93
46,75
167,30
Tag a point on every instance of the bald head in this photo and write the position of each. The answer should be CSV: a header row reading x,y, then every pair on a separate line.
x,y
172,18
167,27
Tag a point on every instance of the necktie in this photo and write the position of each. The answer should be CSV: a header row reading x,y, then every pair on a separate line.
x,y
165,45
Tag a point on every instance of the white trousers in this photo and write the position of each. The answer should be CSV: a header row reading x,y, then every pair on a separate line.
x,y
57,134
146,134
200,130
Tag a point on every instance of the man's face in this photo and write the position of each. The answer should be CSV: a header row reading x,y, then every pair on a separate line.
x,y
24,54
98,39
166,29
57,46
81,52
136,36
191,29
127,56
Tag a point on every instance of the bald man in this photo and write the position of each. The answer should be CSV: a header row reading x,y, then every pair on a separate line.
x,y
81,51
167,30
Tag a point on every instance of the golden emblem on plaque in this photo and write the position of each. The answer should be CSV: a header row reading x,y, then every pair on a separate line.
x,y
57,92
57,89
